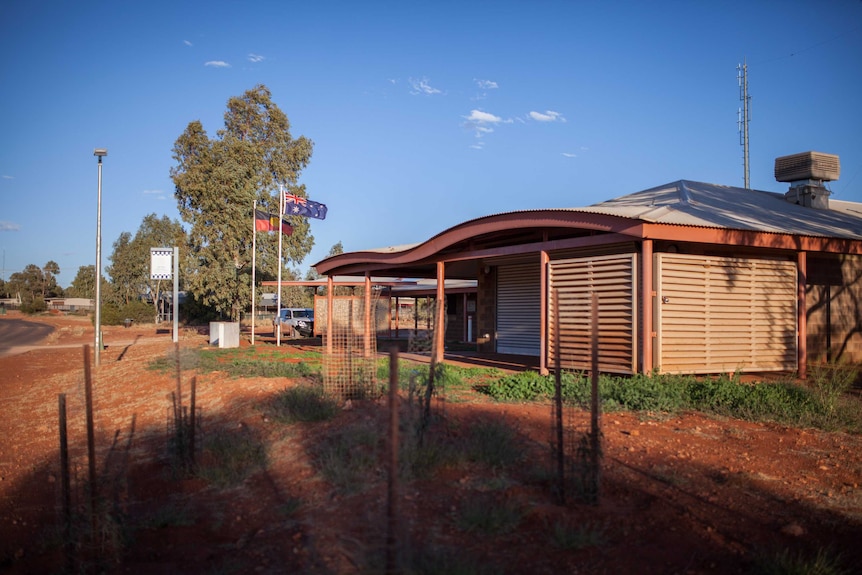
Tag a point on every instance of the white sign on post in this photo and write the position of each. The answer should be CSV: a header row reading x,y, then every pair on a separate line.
x,y
161,267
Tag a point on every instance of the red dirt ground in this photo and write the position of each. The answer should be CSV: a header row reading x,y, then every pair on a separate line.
x,y
680,494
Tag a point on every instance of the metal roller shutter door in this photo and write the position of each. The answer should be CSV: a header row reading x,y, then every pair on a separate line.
x,y
572,283
519,309
718,314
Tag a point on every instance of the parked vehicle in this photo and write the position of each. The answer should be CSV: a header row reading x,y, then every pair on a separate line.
x,y
296,322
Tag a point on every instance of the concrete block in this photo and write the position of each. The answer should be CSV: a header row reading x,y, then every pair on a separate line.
x,y
224,334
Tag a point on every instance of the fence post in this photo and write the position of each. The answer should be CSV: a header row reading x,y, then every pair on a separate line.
x,y
65,486
392,511
91,439
595,408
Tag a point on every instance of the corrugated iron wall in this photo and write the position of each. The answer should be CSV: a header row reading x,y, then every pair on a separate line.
x,y
519,309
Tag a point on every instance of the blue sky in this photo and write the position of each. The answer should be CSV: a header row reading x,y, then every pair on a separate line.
x,y
423,114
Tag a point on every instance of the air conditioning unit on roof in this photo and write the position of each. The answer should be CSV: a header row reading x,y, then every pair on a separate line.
x,y
807,166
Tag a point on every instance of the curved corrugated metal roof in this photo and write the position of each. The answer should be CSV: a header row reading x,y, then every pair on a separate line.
x,y
680,203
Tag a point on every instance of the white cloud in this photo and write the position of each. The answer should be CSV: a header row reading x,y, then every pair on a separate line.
x,y
478,145
422,86
9,227
486,84
569,155
187,43
483,122
5,177
548,116
479,117
255,58
159,194
217,64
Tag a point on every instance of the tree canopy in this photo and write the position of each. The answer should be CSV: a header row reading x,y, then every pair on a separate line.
x,y
217,180
130,260
35,283
84,284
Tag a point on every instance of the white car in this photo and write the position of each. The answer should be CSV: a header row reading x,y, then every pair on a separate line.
x,y
300,321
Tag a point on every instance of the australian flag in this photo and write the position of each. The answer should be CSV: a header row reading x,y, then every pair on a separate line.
x,y
297,206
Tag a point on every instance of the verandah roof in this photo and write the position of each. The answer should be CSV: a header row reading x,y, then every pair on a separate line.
x,y
682,210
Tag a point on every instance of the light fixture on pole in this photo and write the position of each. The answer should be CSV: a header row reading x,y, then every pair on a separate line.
x,y
99,152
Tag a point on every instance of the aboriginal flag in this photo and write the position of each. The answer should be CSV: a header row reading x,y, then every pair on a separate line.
x,y
264,222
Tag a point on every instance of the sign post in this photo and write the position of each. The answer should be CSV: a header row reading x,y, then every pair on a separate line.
x,y
161,268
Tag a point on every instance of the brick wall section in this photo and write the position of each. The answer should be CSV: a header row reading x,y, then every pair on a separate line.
x,y
486,310
454,318
834,305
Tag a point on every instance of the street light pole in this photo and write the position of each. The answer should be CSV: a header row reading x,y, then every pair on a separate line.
x,y
100,153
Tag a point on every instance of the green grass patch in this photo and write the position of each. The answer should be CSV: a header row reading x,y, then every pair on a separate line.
x,y
419,460
305,403
229,456
289,508
349,459
171,515
787,562
822,403
446,561
485,515
576,536
448,377
494,443
257,361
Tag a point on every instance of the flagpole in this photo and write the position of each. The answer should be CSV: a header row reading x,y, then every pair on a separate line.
x,y
278,298
253,262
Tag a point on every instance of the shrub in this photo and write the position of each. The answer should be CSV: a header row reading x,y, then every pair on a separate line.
x,y
36,305
139,312
645,392
522,386
829,382
722,395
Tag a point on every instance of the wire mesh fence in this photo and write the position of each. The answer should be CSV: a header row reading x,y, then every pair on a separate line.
x,y
350,359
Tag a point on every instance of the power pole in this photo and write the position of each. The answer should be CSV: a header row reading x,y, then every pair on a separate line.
x,y
743,114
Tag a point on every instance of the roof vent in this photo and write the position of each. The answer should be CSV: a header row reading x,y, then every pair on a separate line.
x,y
807,166
806,173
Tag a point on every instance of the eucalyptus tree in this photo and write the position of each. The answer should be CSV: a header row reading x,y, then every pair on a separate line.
x,y
125,279
84,284
49,280
217,181
130,261
34,283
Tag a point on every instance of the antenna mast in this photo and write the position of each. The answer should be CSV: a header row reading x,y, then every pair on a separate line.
x,y
743,114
